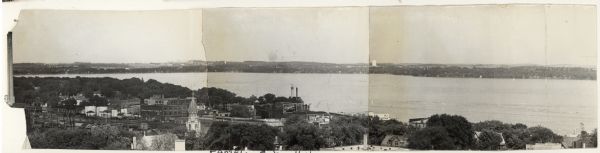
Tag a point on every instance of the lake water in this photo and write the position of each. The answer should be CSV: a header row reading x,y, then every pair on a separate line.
x,y
557,104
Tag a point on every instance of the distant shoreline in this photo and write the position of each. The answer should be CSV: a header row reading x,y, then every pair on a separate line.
x,y
417,70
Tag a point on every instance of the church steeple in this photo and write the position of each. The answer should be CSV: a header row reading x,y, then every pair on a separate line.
x,y
193,122
193,108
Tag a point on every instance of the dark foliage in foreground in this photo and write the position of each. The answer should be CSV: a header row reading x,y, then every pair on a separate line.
x,y
453,132
101,137
223,136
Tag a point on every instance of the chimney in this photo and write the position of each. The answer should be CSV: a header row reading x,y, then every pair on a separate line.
x,y
291,91
296,92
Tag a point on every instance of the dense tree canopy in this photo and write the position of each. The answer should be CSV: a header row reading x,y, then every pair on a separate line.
x,y
488,140
431,138
458,128
224,136
101,137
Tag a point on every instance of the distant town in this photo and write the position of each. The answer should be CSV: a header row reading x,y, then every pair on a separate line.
x,y
421,70
137,114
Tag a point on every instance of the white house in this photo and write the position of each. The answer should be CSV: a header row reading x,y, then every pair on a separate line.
x,y
124,111
114,113
101,111
90,110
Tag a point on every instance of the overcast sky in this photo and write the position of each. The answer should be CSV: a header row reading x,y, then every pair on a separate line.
x,y
331,35
480,34
51,36
501,34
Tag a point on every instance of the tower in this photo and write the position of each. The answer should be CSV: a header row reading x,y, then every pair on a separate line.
x,y
193,122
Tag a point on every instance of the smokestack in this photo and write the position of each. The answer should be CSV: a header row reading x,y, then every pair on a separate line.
x,y
291,91
296,92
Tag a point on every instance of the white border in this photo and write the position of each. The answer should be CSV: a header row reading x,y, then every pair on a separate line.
x,y
12,121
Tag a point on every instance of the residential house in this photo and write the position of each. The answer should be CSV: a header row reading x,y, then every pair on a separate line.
x,y
89,110
394,141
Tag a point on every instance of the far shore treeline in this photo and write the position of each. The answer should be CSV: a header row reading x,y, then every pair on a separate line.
x,y
422,70
28,90
440,132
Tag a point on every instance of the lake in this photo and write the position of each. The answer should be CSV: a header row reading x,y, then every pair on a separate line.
x,y
560,105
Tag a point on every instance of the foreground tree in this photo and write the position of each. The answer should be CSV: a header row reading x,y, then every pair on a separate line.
x,y
303,137
488,140
540,134
459,129
431,138
224,136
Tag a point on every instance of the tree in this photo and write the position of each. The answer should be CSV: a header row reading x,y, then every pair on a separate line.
x,y
269,98
594,138
431,138
516,138
224,135
241,111
488,140
163,142
493,125
303,137
98,101
458,128
540,134
69,103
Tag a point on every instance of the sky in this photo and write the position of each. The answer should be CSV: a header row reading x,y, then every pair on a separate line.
x,y
484,34
64,36
478,34
329,35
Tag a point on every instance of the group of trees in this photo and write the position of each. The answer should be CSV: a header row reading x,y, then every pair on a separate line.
x,y
453,132
443,132
213,66
473,71
98,68
225,135
100,137
378,129
296,134
49,89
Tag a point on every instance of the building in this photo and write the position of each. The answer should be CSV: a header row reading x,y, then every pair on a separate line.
x,y
273,122
97,93
154,141
239,110
193,122
90,110
543,146
582,140
79,98
319,119
103,111
418,122
364,147
179,145
383,116
394,141
158,100
289,107
173,109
